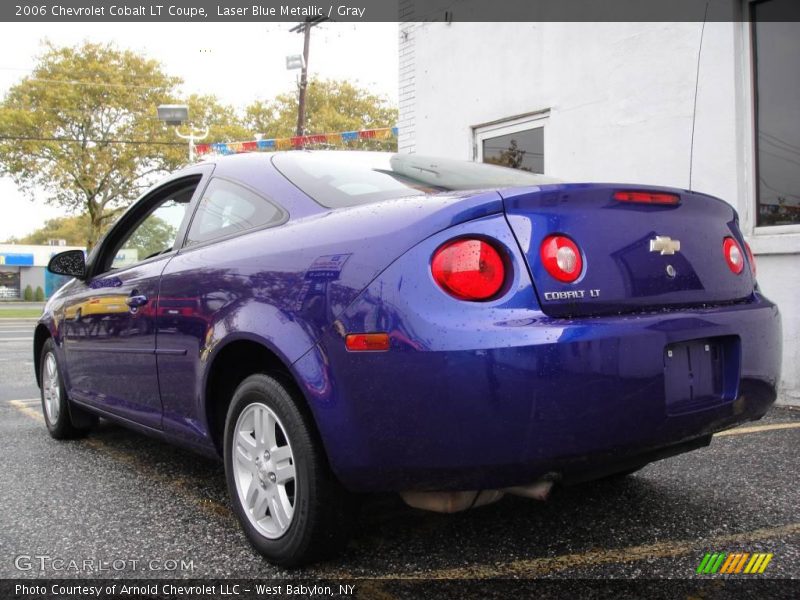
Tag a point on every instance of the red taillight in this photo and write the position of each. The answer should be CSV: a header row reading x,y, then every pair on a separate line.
x,y
367,342
646,197
561,258
733,255
469,269
751,258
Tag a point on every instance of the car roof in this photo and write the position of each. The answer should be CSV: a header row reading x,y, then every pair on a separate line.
x,y
261,157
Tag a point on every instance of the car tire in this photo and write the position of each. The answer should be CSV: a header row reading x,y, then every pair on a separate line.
x,y
292,508
63,419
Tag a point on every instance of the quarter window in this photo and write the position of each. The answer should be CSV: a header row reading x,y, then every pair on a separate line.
x,y
776,49
228,208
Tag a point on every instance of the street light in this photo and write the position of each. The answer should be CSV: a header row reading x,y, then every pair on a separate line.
x,y
173,114
176,115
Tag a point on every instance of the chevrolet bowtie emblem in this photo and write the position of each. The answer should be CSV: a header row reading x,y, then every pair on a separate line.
x,y
665,245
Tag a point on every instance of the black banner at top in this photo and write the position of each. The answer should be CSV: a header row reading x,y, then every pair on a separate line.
x,y
391,10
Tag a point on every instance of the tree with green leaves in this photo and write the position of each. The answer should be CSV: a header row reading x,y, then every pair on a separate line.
x,y
73,229
152,237
331,106
82,128
224,124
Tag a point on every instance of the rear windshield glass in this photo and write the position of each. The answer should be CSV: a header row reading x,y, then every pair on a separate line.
x,y
348,178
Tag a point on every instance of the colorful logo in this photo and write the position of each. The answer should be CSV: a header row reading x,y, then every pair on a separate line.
x,y
734,563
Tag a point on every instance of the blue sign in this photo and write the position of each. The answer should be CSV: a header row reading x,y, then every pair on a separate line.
x,y
16,260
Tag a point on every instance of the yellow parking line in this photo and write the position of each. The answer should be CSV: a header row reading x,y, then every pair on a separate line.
x,y
183,486
536,567
29,401
24,406
526,567
757,429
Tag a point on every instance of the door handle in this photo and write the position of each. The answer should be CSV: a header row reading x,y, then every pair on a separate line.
x,y
136,301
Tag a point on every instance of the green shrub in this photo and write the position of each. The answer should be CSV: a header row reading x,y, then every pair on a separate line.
x,y
39,294
27,295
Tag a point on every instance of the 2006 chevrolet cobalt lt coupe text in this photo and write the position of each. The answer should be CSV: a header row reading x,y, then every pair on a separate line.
x,y
340,322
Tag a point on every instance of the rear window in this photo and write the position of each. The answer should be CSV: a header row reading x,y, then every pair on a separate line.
x,y
347,178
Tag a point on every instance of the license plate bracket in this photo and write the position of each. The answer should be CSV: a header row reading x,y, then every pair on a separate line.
x,y
700,374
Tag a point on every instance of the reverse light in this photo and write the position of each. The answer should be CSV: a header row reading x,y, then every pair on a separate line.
x,y
752,259
561,258
367,342
469,269
642,197
733,255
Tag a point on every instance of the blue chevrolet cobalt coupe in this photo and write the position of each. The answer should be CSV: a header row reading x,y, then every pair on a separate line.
x,y
339,322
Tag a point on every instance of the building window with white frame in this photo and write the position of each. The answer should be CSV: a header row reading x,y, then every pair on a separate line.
x,y
776,68
517,142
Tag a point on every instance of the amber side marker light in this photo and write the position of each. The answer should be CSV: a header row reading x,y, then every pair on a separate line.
x,y
367,342
643,197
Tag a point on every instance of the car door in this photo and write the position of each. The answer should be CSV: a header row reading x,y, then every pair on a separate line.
x,y
204,281
110,318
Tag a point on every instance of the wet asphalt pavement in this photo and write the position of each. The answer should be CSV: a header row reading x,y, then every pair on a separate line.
x,y
163,512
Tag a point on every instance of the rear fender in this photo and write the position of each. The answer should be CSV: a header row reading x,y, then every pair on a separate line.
x,y
406,302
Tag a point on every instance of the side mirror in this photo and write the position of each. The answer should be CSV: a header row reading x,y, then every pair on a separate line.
x,y
71,262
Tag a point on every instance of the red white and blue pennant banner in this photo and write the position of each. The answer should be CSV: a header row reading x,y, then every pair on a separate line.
x,y
300,141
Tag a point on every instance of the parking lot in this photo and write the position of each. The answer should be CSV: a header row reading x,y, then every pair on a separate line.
x,y
119,496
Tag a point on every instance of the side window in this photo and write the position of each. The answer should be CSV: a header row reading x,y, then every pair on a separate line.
x,y
228,208
154,234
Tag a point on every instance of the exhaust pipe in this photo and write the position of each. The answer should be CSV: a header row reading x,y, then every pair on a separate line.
x,y
452,502
538,490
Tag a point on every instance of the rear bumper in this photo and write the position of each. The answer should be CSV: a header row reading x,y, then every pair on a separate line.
x,y
580,397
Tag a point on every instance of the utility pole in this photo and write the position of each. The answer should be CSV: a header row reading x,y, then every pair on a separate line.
x,y
301,101
305,29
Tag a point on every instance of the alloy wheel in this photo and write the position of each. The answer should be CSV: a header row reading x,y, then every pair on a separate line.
x,y
51,388
264,470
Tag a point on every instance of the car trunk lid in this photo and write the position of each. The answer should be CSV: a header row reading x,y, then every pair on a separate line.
x,y
631,261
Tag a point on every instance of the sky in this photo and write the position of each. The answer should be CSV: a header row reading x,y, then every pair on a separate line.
x,y
238,62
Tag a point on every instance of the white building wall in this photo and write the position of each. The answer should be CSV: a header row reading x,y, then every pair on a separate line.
x,y
41,253
620,98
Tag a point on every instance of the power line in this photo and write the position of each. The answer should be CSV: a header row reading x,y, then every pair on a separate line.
x,y
77,141
94,84
61,111
778,142
34,68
